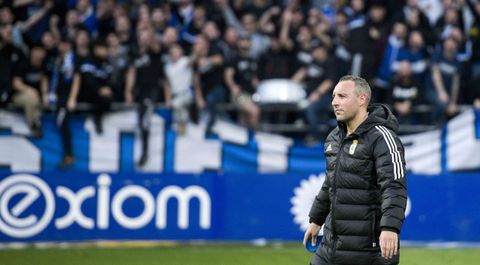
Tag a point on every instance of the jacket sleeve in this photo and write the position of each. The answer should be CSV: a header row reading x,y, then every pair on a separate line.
x,y
321,205
389,159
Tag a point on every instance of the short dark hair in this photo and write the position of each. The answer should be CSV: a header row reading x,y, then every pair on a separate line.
x,y
361,85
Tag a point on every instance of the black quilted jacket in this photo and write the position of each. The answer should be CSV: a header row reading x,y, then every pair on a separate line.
x,y
364,191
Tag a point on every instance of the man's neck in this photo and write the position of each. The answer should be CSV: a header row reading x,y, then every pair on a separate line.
x,y
353,124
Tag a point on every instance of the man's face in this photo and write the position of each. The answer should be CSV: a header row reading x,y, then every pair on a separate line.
x,y
346,102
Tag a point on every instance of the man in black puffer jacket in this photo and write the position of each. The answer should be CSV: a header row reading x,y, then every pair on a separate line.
x,y
362,201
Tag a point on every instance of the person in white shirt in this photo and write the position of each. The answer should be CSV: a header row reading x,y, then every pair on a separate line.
x,y
178,70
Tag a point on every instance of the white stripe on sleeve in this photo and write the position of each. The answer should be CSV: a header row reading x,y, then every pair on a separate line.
x,y
394,153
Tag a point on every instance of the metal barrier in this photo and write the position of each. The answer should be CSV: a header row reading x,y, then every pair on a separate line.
x,y
282,125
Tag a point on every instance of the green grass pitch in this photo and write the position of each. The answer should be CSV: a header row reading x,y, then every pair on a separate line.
x,y
286,254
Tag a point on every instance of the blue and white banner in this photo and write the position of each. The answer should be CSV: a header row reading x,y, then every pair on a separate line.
x,y
229,185
229,148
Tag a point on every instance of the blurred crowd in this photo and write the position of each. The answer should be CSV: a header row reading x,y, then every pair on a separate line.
x,y
193,55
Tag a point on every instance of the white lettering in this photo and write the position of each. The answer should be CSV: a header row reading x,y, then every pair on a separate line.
x,y
133,222
183,197
12,222
74,213
103,200
33,187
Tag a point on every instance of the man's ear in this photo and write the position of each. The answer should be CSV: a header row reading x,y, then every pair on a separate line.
x,y
363,100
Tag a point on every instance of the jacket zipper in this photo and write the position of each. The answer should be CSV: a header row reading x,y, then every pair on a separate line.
x,y
373,234
334,232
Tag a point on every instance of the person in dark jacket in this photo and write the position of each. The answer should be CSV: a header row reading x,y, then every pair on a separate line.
x,y
145,83
363,199
95,85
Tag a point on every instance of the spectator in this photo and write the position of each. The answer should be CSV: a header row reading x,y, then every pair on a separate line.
x,y
363,33
303,48
241,79
105,17
377,26
291,21
257,7
230,49
396,41
170,37
474,36
32,71
356,11
447,22
144,20
269,21
276,62
182,13
416,54
179,74
432,9
318,77
63,92
33,74
72,24
50,43
36,19
247,28
159,22
23,94
143,15
464,53
405,92
343,57
416,20
209,89
87,16
95,87
212,33
17,29
195,26
118,59
144,84
82,46
8,63
296,39
124,33
444,82
321,32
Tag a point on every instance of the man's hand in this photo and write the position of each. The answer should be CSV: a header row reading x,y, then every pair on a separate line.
x,y
389,244
312,232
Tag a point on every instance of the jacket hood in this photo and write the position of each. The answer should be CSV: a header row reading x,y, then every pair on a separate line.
x,y
379,114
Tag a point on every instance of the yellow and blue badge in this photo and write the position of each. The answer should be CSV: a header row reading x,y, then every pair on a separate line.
x,y
353,147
